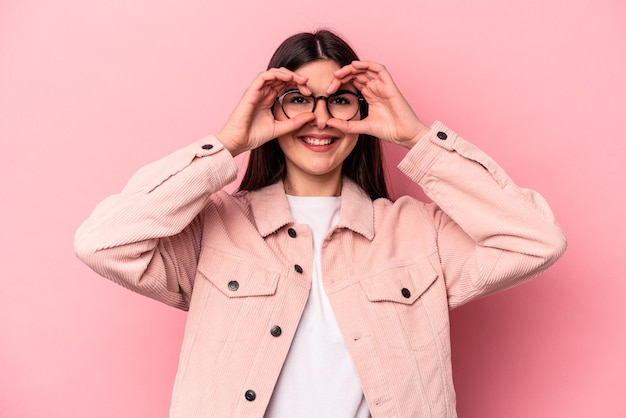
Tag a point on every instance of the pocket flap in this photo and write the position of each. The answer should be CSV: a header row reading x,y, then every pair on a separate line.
x,y
402,284
236,277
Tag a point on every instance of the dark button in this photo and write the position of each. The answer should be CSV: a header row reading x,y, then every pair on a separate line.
x,y
292,232
442,135
233,285
298,268
250,395
406,292
276,331
207,146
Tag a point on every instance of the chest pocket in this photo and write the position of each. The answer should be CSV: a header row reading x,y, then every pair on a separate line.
x,y
233,297
409,303
234,276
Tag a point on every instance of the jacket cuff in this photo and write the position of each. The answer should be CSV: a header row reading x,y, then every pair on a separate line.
x,y
428,149
205,160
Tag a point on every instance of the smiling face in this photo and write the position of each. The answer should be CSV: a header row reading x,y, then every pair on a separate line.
x,y
314,153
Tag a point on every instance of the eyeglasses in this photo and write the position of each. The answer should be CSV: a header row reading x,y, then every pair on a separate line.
x,y
344,104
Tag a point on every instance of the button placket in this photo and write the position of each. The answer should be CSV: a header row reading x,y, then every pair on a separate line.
x,y
293,234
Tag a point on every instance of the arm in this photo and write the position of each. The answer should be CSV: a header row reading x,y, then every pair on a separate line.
x,y
147,238
491,234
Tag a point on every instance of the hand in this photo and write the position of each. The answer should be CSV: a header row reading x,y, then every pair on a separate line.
x,y
251,124
390,116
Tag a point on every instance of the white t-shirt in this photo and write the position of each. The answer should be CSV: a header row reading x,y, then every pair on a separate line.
x,y
318,378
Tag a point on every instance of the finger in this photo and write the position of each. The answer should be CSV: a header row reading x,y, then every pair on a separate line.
x,y
363,76
379,70
368,65
289,75
285,126
341,76
299,80
353,79
334,85
278,76
360,83
346,69
348,127
370,69
279,85
352,74
358,67
359,86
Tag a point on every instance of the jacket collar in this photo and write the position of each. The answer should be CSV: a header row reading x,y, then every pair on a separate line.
x,y
270,209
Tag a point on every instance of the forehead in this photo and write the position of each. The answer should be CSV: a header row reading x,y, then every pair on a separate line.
x,y
318,67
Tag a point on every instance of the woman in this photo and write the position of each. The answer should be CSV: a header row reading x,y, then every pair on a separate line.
x,y
309,292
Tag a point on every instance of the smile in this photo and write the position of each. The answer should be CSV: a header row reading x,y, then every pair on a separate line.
x,y
317,141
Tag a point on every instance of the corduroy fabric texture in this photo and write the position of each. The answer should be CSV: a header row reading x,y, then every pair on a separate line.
x,y
392,270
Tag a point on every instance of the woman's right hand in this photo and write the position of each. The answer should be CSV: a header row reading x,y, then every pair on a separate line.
x,y
251,124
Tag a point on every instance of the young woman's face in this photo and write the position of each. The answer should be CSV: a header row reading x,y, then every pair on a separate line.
x,y
314,153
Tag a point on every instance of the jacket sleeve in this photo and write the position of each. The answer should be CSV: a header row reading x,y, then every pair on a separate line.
x,y
491,234
147,238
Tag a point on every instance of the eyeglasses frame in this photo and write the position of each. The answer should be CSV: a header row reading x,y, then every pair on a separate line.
x,y
358,95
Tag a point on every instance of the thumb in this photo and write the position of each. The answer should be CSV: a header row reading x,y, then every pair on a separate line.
x,y
348,127
285,126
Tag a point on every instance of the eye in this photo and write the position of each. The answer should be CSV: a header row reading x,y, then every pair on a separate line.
x,y
343,99
297,99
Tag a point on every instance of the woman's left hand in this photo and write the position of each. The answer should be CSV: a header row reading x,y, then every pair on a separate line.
x,y
390,116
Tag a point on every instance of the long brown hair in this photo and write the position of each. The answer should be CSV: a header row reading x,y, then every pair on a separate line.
x,y
364,165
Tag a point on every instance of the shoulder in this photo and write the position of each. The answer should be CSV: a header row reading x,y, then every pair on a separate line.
x,y
404,212
225,203
404,205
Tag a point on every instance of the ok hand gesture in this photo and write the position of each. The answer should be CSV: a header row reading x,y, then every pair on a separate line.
x,y
390,116
252,123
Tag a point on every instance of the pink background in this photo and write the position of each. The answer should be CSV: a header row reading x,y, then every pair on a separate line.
x,y
90,91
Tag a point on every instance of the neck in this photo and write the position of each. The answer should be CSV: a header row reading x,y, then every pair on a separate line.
x,y
315,186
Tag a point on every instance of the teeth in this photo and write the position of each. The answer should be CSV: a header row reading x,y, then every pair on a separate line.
x,y
315,141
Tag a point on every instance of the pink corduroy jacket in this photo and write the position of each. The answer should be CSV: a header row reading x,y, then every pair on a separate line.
x,y
392,270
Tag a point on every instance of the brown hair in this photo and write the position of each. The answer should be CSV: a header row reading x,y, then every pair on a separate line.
x,y
364,165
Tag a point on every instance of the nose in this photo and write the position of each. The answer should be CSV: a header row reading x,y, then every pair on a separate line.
x,y
321,113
